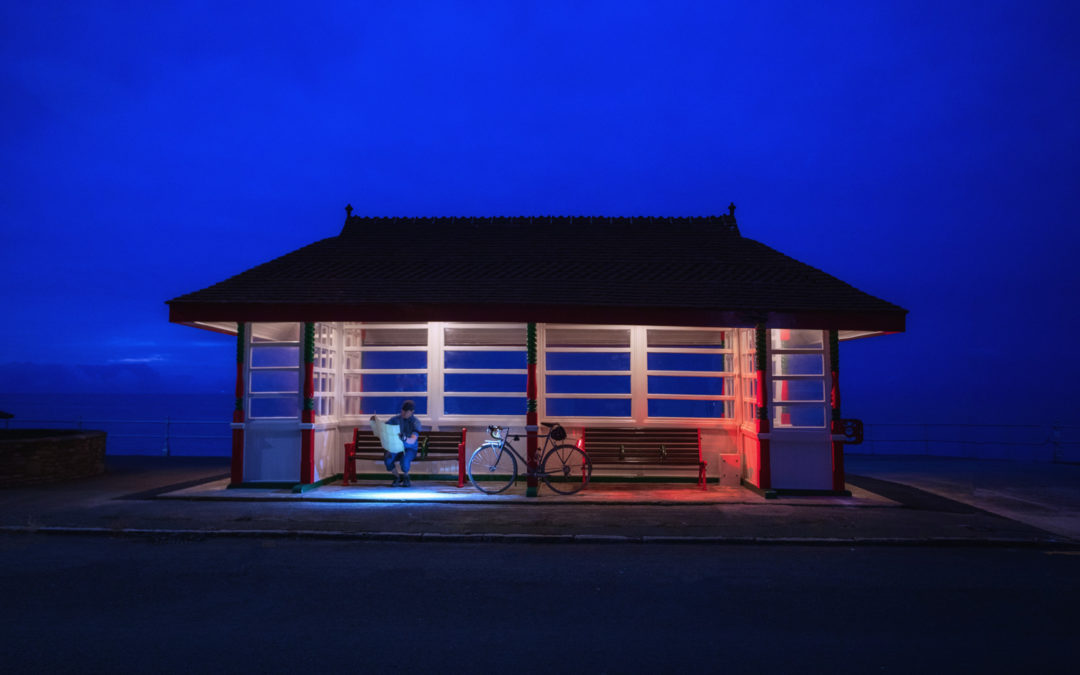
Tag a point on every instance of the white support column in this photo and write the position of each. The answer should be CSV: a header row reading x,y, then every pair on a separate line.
x,y
436,338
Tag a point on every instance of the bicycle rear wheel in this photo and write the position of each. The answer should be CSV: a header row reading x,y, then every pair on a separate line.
x,y
492,470
566,469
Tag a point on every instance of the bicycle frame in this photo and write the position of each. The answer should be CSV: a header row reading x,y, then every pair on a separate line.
x,y
503,441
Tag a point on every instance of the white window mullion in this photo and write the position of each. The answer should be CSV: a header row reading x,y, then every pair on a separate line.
x,y
541,371
435,372
639,377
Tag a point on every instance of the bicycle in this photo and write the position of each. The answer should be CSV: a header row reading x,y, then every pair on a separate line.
x,y
493,466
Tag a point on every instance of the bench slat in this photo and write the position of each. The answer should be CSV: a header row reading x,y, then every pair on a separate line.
x,y
441,446
660,447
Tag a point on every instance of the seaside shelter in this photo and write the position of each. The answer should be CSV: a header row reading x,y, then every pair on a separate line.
x,y
645,323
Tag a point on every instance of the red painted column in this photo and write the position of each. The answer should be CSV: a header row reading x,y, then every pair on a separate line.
x,y
307,417
838,479
761,361
237,466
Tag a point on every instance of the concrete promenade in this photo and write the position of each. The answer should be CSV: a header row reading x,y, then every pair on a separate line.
x,y
900,501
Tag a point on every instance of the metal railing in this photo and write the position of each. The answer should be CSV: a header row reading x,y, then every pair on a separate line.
x,y
1041,442
156,436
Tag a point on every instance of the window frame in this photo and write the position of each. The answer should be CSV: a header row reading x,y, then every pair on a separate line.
x,y
251,346
775,380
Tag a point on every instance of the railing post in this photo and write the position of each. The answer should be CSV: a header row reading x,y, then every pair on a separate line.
x,y
168,425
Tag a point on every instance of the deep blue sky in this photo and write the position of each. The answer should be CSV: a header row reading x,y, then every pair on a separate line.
x,y
925,152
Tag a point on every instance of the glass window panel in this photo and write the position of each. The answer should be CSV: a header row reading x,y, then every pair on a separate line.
x,y
706,386
588,361
394,382
798,390
406,360
483,382
797,364
708,339
513,336
275,380
275,357
588,407
388,405
488,360
587,337
352,405
795,416
674,407
275,332
285,406
484,405
784,338
392,337
714,362
588,384
750,363
352,384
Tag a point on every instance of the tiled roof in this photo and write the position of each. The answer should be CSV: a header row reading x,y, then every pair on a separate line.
x,y
606,266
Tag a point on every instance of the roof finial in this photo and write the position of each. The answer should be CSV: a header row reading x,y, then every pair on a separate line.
x,y
348,211
731,209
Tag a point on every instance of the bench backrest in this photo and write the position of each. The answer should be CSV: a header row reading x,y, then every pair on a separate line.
x,y
438,442
642,446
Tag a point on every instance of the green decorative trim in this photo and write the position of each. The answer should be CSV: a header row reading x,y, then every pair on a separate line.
x,y
447,477
240,344
764,492
530,405
532,491
530,343
773,493
301,488
309,342
269,485
834,359
309,403
761,344
452,477
834,349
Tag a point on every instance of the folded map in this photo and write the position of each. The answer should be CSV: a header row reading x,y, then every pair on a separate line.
x,y
389,435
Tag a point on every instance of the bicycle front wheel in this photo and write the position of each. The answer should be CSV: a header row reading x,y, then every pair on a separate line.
x,y
492,469
566,469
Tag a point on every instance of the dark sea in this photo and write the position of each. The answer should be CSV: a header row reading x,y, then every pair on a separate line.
x,y
186,425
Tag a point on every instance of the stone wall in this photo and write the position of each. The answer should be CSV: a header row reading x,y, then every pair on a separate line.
x,y
31,456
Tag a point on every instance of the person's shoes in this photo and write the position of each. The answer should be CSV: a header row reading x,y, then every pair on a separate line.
x,y
406,482
397,482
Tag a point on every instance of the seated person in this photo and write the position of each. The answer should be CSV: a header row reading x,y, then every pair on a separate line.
x,y
409,432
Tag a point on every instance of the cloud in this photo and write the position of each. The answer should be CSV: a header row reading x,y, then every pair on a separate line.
x,y
153,358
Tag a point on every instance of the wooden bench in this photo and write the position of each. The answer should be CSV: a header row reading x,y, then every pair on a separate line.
x,y
645,448
435,446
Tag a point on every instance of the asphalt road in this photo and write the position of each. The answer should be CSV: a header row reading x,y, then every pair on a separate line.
x,y
102,604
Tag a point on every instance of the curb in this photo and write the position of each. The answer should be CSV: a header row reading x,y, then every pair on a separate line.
x,y
523,538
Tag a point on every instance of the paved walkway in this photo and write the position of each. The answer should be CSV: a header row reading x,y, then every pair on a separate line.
x,y
1040,494
917,501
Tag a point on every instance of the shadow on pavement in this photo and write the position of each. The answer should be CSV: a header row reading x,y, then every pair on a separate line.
x,y
911,497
